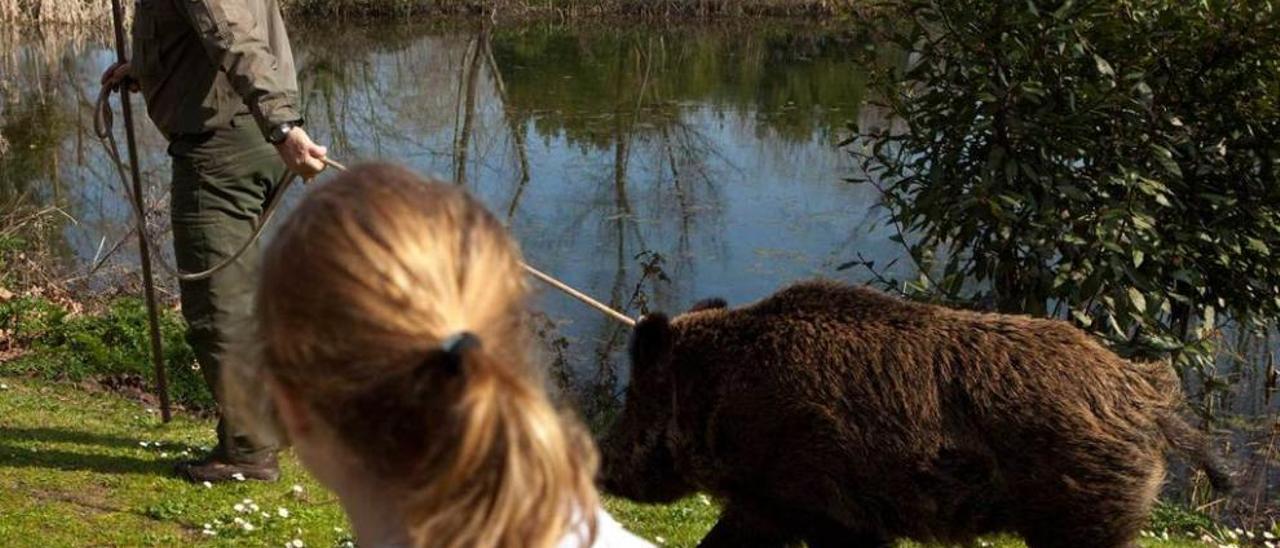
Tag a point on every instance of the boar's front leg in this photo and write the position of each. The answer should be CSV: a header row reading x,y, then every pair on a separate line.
x,y
740,525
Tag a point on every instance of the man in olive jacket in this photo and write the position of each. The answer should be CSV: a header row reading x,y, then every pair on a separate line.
x,y
219,81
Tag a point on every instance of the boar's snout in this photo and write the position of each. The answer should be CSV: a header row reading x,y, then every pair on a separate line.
x,y
641,469
636,461
614,474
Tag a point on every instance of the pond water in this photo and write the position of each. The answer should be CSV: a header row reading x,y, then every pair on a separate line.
x,y
708,152
613,152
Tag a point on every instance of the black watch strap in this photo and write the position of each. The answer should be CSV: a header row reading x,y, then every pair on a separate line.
x,y
281,131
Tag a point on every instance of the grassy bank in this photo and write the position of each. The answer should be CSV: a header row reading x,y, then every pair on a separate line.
x,y
80,468
85,461
93,469
99,11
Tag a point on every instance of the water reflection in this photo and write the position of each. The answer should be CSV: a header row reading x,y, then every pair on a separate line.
x,y
650,167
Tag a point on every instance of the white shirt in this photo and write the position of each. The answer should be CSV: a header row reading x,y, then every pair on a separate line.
x,y
609,534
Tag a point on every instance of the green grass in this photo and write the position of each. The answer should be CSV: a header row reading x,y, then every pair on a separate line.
x,y
74,471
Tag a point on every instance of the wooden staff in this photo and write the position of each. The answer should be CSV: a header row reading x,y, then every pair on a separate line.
x,y
144,247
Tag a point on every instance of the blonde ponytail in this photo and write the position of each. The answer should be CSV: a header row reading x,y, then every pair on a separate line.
x,y
361,290
509,482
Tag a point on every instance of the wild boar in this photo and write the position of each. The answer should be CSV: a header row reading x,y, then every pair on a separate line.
x,y
841,416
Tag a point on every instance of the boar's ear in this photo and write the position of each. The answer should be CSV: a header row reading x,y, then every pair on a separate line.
x,y
651,341
709,304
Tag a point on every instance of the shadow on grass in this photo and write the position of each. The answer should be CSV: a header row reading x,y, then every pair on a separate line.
x,y
14,453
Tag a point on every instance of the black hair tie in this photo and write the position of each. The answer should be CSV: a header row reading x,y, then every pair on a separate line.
x,y
456,346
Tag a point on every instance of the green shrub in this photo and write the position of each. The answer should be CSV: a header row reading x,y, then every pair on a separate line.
x,y
1177,519
1114,163
112,343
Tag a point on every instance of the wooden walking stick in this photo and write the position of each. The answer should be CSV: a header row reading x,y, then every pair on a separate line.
x,y
144,247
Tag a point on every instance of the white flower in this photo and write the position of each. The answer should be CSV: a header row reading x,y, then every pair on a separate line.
x,y
1249,534
237,476
209,532
297,489
239,507
1267,535
706,501
4,386
660,540
254,507
295,543
283,512
207,485
248,526
239,520
164,455
143,443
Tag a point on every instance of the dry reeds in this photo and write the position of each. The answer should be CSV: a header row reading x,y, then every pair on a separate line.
x,y
574,8
98,12
76,12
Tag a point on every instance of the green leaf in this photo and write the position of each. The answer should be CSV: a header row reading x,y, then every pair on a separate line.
x,y
1082,318
1104,67
1259,246
1145,95
1136,298
1064,9
1165,158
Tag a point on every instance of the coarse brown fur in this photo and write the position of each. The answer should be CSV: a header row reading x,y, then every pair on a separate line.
x,y
842,416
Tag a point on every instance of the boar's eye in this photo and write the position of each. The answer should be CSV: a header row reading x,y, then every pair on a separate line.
x,y
651,342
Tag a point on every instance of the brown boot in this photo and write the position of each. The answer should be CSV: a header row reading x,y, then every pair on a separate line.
x,y
214,469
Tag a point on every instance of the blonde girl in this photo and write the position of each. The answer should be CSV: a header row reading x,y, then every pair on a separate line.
x,y
389,340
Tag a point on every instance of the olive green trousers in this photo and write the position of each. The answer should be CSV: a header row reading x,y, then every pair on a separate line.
x,y
221,181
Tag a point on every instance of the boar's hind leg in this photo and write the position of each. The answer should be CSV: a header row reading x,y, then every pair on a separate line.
x,y
739,526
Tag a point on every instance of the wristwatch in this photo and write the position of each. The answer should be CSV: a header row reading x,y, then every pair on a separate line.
x,y
278,133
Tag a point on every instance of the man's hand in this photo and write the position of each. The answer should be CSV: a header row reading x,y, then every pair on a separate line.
x,y
117,74
301,155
